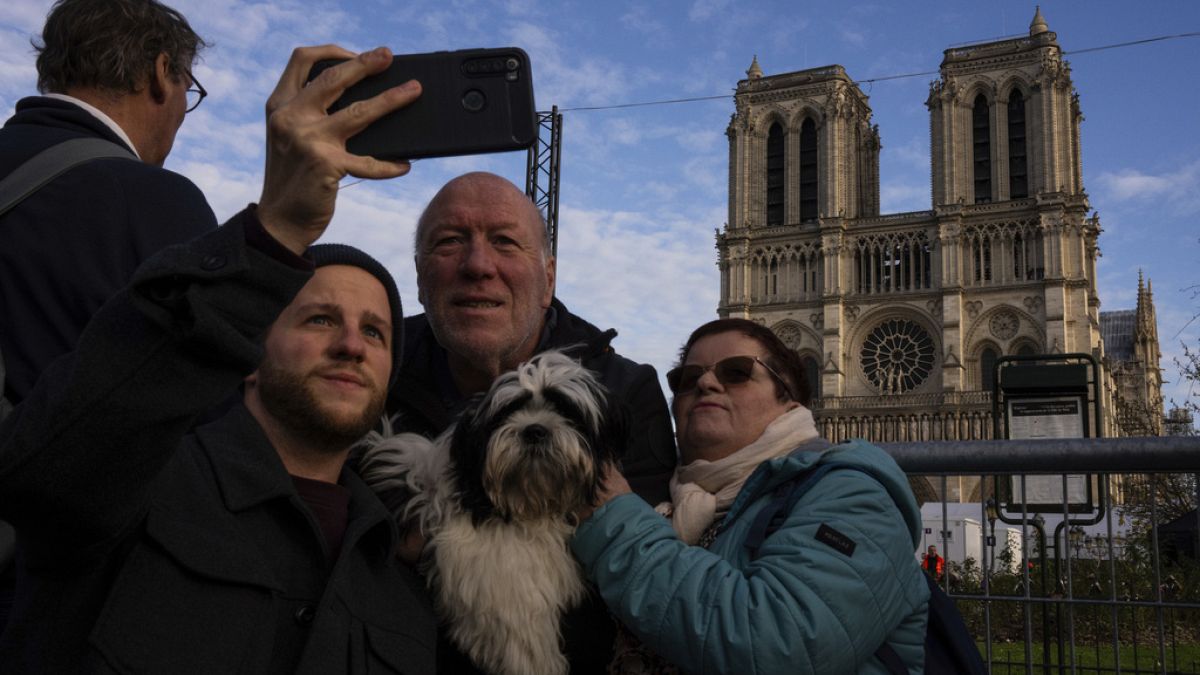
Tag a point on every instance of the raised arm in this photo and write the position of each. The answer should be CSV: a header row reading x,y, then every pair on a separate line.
x,y
78,456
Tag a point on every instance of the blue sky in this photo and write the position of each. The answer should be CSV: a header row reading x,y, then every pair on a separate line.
x,y
643,189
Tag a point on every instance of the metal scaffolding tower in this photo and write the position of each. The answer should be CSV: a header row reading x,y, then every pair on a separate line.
x,y
541,171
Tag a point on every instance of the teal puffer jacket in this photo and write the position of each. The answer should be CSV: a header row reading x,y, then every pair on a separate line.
x,y
835,581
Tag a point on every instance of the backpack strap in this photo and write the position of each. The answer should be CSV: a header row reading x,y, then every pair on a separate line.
x,y
29,177
51,163
785,496
34,173
783,499
891,659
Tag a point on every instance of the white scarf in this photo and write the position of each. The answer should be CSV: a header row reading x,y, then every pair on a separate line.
x,y
702,490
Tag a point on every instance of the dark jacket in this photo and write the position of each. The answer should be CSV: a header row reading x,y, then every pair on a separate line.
x,y
75,243
427,401
146,548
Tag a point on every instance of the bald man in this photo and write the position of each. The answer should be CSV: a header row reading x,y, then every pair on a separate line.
x,y
485,276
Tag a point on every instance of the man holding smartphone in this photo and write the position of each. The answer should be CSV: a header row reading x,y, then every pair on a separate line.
x,y
244,545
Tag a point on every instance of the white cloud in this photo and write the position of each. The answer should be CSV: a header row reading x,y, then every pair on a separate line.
x,y
900,197
241,26
623,131
565,77
854,38
612,262
26,16
783,30
18,76
1178,191
702,10
914,153
640,19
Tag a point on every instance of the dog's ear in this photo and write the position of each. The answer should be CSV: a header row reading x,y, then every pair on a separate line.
x,y
468,452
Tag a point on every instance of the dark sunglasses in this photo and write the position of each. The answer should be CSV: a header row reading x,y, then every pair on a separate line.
x,y
732,370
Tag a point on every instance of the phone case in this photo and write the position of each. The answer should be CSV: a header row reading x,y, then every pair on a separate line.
x,y
472,101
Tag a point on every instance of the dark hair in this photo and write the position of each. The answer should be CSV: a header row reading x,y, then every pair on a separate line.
x,y
782,358
111,44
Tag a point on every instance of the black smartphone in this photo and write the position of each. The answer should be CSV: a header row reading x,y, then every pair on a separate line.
x,y
472,101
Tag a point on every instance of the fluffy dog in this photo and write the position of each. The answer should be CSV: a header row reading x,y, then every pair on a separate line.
x,y
494,497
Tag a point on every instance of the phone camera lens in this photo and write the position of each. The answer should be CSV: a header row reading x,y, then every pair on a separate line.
x,y
474,100
512,63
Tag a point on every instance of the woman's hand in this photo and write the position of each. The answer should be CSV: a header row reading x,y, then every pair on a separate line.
x,y
614,485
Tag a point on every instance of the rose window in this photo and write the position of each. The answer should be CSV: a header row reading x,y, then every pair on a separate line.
x,y
897,356
1004,325
789,335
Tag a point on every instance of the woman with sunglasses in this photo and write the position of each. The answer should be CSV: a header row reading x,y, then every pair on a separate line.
x,y
833,581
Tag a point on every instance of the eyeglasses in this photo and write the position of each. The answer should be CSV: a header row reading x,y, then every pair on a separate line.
x,y
733,370
195,94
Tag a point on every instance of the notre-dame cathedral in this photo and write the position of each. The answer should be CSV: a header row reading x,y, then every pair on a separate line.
x,y
900,317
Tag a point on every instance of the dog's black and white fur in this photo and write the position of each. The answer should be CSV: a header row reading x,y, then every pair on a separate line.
x,y
494,497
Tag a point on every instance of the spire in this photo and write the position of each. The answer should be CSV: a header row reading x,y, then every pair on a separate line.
x,y
1141,299
1038,25
754,71
1146,316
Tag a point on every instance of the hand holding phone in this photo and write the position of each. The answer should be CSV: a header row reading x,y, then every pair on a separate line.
x,y
306,155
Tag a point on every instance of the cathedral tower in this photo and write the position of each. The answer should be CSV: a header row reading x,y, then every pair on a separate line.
x,y
900,317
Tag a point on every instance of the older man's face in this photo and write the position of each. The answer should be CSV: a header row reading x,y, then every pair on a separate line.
x,y
482,272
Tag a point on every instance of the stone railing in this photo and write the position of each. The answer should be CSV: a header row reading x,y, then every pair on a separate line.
x,y
965,415
906,401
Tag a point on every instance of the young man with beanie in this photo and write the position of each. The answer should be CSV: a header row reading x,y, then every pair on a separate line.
x,y
246,544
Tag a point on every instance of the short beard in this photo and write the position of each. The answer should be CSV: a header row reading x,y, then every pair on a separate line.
x,y
494,360
286,396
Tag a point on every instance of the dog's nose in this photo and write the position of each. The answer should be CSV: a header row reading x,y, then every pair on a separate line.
x,y
534,433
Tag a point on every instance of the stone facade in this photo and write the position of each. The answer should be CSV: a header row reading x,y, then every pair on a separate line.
x,y
900,316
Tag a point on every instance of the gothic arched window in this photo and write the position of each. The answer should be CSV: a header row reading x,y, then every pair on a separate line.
x,y
808,170
776,180
1018,178
987,361
981,135
812,373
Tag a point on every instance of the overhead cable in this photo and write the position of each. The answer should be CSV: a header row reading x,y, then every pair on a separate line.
x,y
870,80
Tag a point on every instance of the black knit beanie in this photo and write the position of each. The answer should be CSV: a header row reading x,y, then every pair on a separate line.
x,y
344,254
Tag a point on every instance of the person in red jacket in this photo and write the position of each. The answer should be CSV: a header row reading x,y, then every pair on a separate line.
x,y
933,564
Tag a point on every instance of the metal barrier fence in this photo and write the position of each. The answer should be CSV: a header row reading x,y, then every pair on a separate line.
x,y
1097,566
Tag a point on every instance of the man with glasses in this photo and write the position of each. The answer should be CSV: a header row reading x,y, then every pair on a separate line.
x,y
119,71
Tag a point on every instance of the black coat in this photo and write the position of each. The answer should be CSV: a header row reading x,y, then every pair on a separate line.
x,y
146,548
75,243
426,402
